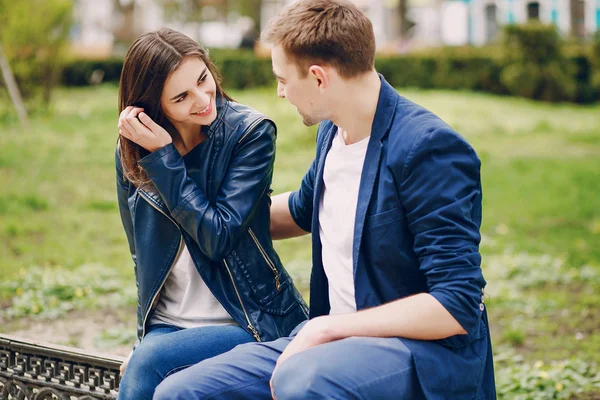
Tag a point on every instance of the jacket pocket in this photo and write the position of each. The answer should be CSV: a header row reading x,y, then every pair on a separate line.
x,y
267,259
259,269
282,304
382,218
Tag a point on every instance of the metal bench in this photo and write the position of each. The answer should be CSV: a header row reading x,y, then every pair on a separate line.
x,y
38,371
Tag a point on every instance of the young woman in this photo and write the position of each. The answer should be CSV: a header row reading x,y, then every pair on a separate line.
x,y
194,172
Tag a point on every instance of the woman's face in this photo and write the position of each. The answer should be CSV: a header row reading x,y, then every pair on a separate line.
x,y
188,97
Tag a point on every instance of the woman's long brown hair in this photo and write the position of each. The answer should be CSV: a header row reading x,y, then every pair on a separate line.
x,y
148,64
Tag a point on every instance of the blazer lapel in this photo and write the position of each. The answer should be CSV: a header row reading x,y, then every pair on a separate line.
x,y
386,107
319,295
318,190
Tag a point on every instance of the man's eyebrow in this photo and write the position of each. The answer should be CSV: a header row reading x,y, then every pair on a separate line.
x,y
182,93
277,76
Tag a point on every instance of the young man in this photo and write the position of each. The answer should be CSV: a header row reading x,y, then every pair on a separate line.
x,y
393,202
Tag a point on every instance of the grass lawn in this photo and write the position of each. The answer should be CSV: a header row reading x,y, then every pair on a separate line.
x,y
541,221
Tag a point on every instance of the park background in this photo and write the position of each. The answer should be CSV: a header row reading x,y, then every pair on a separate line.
x,y
519,79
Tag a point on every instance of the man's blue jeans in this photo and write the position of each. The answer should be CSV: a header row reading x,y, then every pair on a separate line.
x,y
167,349
353,368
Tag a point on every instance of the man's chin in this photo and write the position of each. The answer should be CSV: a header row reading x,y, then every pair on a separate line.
x,y
309,121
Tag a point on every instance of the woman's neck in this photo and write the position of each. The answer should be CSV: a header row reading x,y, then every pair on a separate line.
x,y
188,137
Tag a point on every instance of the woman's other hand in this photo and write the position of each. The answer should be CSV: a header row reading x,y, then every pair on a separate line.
x,y
138,127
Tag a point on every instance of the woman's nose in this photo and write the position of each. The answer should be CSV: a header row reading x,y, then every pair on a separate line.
x,y
201,97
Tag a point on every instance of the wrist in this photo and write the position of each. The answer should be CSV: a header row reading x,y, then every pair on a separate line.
x,y
332,328
161,146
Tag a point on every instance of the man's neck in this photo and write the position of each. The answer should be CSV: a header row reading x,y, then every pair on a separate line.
x,y
355,106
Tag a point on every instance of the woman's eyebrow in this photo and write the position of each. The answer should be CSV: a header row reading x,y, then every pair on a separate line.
x,y
182,93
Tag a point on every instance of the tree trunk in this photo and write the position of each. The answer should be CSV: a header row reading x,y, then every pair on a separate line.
x,y
13,89
402,20
128,29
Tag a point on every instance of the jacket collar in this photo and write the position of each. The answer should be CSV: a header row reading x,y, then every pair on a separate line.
x,y
221,103
386,107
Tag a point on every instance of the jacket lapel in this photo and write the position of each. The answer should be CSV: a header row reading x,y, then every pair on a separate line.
x,y
386,107
319,298
318,190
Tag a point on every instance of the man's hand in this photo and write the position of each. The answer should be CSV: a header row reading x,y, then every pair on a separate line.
x,y
316,331
138,127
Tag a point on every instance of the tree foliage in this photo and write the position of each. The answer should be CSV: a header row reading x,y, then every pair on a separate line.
x,y
34,35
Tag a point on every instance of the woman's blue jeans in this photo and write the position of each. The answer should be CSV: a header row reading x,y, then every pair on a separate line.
x,y
167,349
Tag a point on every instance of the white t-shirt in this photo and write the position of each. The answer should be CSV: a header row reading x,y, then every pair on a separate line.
x,y
337,212
185,301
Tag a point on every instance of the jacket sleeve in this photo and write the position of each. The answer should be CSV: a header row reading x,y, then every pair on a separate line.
x,y
122,195
441,192
300,202
216,227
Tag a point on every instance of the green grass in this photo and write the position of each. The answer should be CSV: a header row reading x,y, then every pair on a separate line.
x,y
541,223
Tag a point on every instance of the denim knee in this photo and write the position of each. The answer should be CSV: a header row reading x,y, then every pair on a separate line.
x,y
298,380
141,376
169,389
145,358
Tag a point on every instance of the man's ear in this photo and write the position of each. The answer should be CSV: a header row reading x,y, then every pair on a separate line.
x,y
320,75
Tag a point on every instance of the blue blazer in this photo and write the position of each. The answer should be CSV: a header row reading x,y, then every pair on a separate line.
x,y
417,230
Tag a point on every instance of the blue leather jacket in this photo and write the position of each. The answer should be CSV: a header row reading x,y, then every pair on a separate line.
x,y
215,200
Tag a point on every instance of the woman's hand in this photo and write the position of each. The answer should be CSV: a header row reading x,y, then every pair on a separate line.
x,y
138,127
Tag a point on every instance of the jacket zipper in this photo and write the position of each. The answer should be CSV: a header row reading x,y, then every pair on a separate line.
x,y
179,250
249,130
252,329
260,248
267,259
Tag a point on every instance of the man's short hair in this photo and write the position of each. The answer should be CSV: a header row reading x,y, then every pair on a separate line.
x,y
331,32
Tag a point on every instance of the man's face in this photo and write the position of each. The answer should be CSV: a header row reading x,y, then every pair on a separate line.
x,y
301,92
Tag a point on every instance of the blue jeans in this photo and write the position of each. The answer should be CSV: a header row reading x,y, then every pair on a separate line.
x,y
352,368
167,349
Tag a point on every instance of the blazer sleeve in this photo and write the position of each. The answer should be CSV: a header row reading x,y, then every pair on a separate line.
x,y
216,227
301,201
441,192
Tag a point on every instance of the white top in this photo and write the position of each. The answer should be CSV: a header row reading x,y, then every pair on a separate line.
x,y
337,212
185,301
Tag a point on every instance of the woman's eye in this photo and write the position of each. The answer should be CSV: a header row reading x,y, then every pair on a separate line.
x,y
201,80
180,99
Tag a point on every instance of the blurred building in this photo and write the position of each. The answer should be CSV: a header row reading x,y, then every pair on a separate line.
x,y
101,26
460,22
484,18
107,27
383,13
